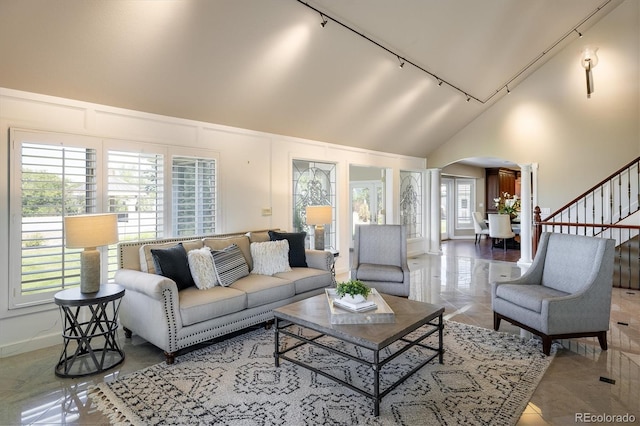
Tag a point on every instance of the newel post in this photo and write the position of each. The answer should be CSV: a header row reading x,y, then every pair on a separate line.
x,y
537,228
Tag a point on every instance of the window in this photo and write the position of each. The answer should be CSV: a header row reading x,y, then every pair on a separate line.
x,y
411,203
194,203
51,179
53,175
465,202
314,184
135,193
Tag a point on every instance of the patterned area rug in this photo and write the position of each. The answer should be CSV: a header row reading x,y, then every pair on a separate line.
x,y
487,379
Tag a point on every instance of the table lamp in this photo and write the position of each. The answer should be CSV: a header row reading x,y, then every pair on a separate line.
x,y
89,232
318,216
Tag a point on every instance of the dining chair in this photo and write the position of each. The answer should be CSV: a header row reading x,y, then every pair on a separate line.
x,y
500,228
480,226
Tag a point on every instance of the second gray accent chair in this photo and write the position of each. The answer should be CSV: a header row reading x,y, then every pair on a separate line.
x,y
380,258
566,293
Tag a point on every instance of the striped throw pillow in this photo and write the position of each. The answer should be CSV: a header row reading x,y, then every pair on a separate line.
x,y
230,265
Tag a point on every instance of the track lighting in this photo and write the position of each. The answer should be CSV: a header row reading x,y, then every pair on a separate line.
x,y
324,20
508,91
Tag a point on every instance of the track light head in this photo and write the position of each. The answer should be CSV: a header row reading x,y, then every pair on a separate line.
x,y
439,82
579,33
400,61
468,97
508,91
324,20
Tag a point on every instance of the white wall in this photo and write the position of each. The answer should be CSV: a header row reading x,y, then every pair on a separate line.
x,y
254,173
547,119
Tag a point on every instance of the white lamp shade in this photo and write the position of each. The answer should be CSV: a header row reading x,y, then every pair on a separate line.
x,y
91,230
318,215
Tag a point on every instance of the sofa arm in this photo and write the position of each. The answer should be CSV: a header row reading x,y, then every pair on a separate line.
x,y
151,285
320,259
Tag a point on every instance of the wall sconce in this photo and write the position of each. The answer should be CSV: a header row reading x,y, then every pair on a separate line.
x,y
89,232
589,61
318,216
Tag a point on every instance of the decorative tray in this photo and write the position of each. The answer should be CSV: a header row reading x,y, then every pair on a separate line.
x,y
382,313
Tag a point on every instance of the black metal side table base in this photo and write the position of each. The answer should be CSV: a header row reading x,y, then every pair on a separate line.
x,y
81,355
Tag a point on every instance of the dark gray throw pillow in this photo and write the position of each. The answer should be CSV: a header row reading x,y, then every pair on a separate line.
x,y
297,255
173,263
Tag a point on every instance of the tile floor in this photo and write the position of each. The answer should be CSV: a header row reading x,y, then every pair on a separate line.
x,y
30,393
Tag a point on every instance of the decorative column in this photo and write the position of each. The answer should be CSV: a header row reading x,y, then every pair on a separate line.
x,y
434,212
526,215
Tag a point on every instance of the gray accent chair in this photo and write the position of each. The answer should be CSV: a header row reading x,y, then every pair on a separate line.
x,y
380,258
566,293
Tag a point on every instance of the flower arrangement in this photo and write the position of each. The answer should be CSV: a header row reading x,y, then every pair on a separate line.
x,y
507,204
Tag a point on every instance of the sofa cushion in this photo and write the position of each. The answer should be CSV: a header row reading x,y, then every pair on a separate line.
x,y
201,267
241,241
307,279
202,305
258,236
387,273
297,256
146,260
527,296
173,263
263,289
229,265
270,257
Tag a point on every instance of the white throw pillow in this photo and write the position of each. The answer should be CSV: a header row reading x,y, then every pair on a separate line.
x,y
270,257
201,266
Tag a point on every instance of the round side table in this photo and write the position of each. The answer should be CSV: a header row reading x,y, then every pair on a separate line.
x,y
82,334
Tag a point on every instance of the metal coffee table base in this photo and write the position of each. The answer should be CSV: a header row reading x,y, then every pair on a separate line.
x,y
282,327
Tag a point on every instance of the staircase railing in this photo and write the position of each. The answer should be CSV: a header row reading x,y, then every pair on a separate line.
x,y
606,210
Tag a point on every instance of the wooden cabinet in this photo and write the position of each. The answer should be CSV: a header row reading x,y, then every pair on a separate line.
x,y
498,181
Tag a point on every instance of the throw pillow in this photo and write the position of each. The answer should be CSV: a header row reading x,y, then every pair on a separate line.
x,y
270,257
297,255
173,263
201,267
230,265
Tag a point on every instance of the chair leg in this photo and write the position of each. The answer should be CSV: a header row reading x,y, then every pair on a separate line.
x,y
546,344
496,321
602,339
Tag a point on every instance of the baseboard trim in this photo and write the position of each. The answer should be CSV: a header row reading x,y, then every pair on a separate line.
x,y
32,344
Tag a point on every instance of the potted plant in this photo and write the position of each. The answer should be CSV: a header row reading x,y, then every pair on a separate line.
x,y
352,291
508,204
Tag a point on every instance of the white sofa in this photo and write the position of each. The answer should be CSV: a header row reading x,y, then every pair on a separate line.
x,y
156,310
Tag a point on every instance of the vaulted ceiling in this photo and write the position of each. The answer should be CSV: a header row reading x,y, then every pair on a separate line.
x,y
270,65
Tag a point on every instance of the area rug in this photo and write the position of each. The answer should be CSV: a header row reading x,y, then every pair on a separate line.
x,y
487,378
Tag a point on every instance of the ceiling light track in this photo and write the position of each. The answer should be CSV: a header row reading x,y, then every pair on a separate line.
x,y
402,60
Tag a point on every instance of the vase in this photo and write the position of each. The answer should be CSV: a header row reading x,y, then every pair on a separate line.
x,y
358,298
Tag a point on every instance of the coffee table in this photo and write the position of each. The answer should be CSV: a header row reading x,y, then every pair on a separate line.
x,y
314,314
